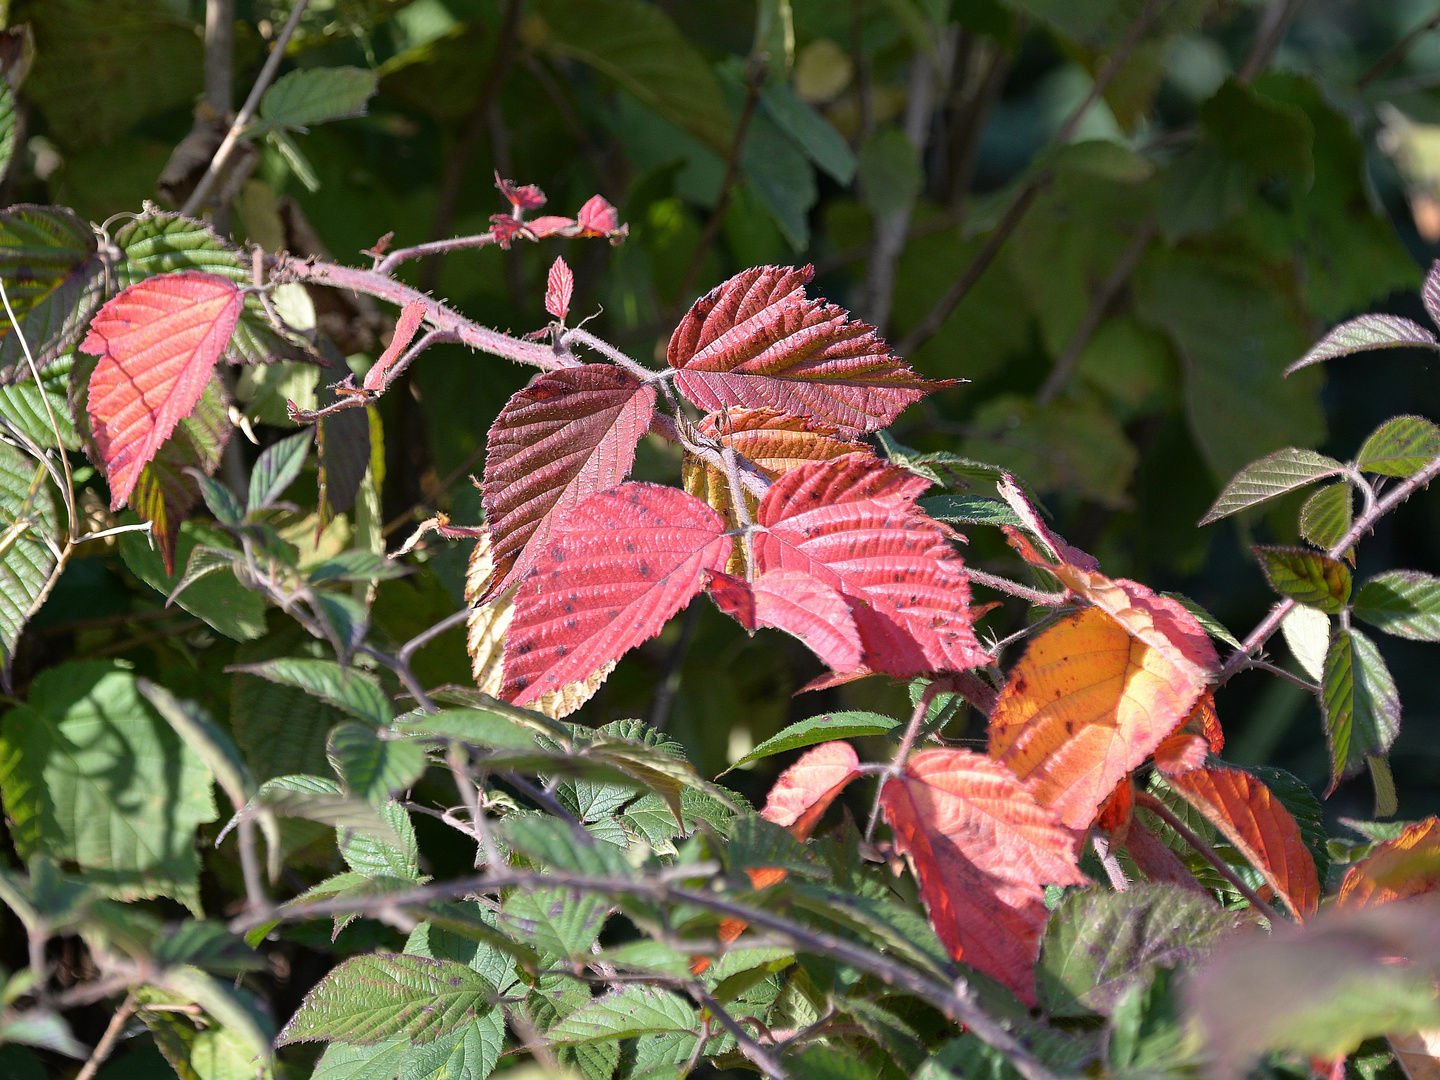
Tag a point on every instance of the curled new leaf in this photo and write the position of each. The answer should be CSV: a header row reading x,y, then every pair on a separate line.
x,y
853,526
757,341
569,434
1249,815
609,576
405,327
983,850
806,789
157,342
1096,694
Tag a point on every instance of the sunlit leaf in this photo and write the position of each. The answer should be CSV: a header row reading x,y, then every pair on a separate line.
x,y
1275,474
1407,865
1372,331
1307,577
1399,447
1362,706
1405,603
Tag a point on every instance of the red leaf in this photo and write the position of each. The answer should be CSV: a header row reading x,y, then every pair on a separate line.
x,y
1181,753
559,287
1157,862
569,434
552,225
405,327
608,577
853,526
526,197
157,341
505,228
983,849
756,341
806,789
1251,818
800,605
598,218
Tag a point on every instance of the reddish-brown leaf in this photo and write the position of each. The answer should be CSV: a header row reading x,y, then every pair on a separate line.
x,y
569,434
607,578
757,341
806,789
157,342
1157,862
410,316
1117,811
1203,720
1181,752
800,605
983,849
853,526
1095,694
559,286
1249,815
1406,866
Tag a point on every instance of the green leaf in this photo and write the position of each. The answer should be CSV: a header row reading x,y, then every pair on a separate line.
x,y
781,176
380,1062
890,174
1099,943
28,518
1364,334
91,775
357,692
371,767
1405,603
211,745
1307,577
375,858
1273,475
1268,137
318,799
555,920
1326,516
903,930
552,842
357,565
970,510
7,127
638,46
345,620
829,1063
23,406
1201,190
226,1048
204,561
1401,446
42,1028
818,729
824,145
316,95
474,726
1362,706
370,998
756,843
224,507
54,280
278,466
624,1013
280,728
218,598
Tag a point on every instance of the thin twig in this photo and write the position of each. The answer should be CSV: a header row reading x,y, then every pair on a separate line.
x,y
1024,198
754,78
604,348
246,113
255,894
669,684
108,1040
1397,52
1206,852
907,743
1119,275
420,640
1273,26
1014,588
758,1055
1289,676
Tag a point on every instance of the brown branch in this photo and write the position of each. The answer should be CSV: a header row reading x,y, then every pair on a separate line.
x,y
1024,198
452,181
109,1039
1119,275
1206,852
246,113
1397,52
907,743
1273,27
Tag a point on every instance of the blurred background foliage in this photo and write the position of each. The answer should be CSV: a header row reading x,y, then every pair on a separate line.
x,y
1122,353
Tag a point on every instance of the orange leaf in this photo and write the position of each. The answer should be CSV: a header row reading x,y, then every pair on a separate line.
x,y
805,791
1117,811
1203,720
1406,866
983,849
1249,815
157,341
1090,700
1181,752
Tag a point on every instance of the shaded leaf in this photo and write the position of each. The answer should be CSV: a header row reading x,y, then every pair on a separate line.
x,y
278,466
315,95
357,692
555,920
1248,814
1362,706
157,342
1401,446
369,998
371,767
22,404
566,436
1307,577
613,573
1275,474
1372,331
1100,944
218,598
54,280
756,341
28,519
1405,603
983,849
970,510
